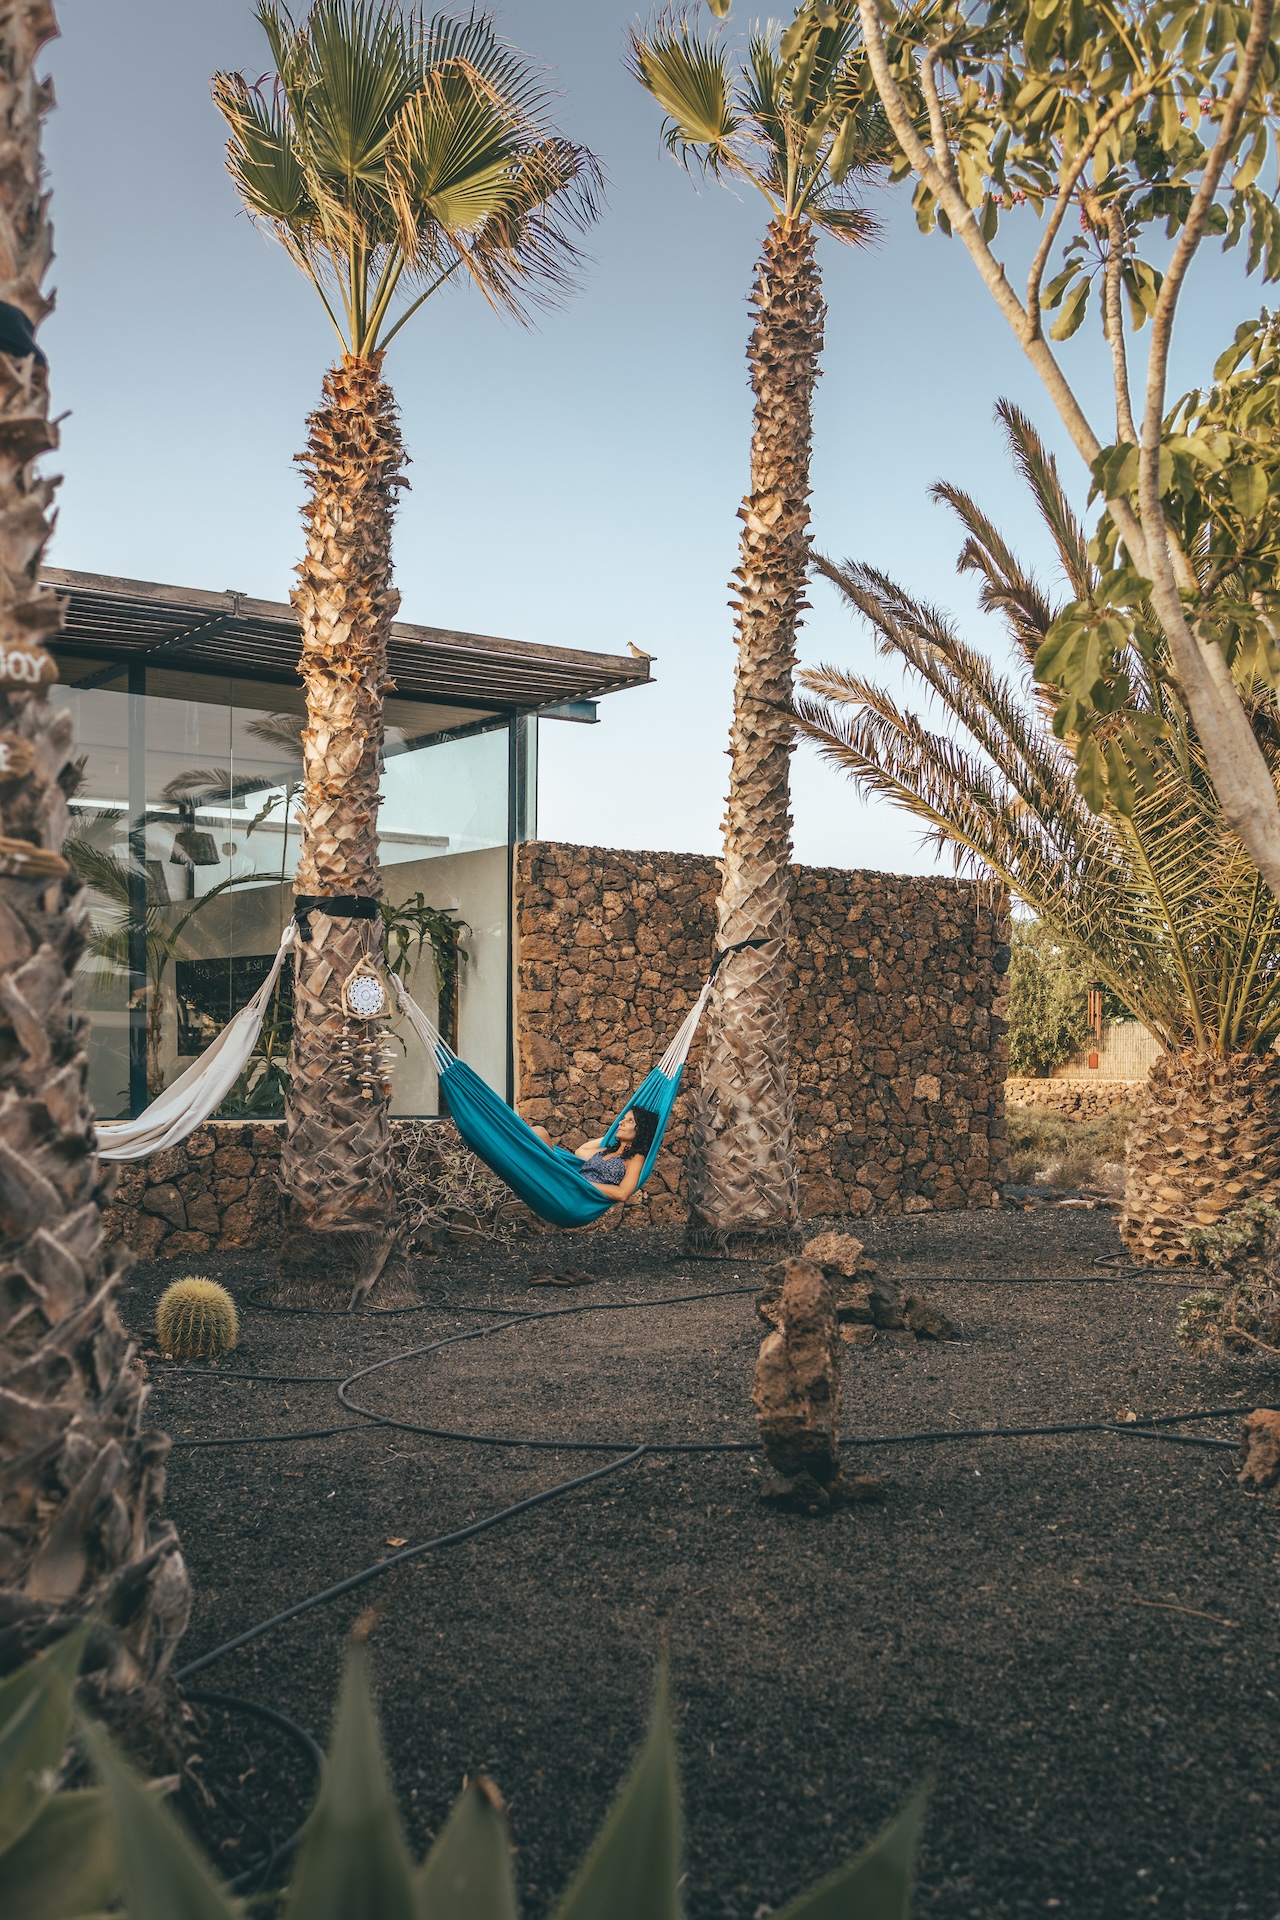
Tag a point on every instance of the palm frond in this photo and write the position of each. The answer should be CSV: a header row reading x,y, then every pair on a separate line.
x,y
1164,899
283,730
1007,588
688,75
389,150
1035,765
361,70
263,161
1039,469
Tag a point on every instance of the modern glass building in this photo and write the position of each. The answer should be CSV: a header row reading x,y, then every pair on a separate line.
x,y
188,712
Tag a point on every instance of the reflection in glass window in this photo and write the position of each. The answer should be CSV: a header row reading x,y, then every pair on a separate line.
x,y
443,837
184,824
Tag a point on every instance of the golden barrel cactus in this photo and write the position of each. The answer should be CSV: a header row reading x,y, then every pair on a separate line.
x,y
196,1320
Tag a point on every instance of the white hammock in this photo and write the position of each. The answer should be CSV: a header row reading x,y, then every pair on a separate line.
x,y
204,1086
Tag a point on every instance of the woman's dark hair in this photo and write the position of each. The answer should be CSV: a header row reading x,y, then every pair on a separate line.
x,y
646,1126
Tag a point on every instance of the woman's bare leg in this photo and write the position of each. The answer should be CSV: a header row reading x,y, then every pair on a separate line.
x,y
543,1134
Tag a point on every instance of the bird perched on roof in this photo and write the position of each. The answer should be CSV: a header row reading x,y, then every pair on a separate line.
x,y
17,336
638,653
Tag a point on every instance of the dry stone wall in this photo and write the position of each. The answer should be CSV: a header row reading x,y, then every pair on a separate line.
x,y
1087,1099
897,1014
218,1189
897,1030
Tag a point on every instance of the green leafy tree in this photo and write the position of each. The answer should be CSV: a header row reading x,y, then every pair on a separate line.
x,y
1174,917
389,153
1048,984
1105,121
791,120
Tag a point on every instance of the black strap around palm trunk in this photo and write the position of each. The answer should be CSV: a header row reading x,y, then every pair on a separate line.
x,y
727,953
338,906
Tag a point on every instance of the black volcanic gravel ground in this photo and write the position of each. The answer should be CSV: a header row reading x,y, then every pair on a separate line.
x,y
1007,1619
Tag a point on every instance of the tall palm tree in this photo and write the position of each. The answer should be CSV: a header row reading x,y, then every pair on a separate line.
x,y
82,1535
793,123
1165,901
389,153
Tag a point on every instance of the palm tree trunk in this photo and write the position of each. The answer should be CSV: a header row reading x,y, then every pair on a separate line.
x,y
742,1174
1206,1139
335,1168
81,1484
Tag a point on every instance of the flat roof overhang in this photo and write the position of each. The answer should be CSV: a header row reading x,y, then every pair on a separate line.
x,y
111,621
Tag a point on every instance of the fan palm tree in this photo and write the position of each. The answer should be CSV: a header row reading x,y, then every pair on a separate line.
x,y
1165,901
389,153
794,124
83,1535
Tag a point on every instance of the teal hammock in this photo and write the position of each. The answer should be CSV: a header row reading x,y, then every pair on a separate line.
x,y
548,1179
545,1177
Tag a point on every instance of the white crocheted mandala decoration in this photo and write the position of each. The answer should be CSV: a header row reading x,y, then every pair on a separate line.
x,y
365,996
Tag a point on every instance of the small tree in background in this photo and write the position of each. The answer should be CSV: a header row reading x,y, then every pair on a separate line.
x,y
792,122
1048,999
388,153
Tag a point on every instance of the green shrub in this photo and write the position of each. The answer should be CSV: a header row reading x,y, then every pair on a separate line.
x,y
1242,1252
69,1855
1068,1151
196,1320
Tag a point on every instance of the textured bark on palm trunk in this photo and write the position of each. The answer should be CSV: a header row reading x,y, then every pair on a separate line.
x,y
742,1175
1206,1139
335,1167
81,1532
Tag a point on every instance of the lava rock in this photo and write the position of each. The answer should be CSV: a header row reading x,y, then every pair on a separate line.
x,y
797,1382
925,1321
1260,1447
839,1255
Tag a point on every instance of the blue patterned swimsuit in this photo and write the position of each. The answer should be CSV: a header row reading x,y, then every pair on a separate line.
x,y
606,1169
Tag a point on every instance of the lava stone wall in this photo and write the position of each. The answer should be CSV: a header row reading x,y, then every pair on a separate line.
x,y
897,1004
897,1036
1087,1099
218,1189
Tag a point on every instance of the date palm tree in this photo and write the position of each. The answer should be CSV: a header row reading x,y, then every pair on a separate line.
x,y
390,154
793,122
83,1535
1164,900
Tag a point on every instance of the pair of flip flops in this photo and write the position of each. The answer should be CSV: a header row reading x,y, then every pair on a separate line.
x,y
571,1277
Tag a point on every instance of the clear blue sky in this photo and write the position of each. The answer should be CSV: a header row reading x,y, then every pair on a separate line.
x,y
576,483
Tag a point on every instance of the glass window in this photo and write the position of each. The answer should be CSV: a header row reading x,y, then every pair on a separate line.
x,y
98,832
185,825
443,835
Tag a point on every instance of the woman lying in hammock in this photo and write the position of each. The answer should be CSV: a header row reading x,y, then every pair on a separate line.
x,y
617,1171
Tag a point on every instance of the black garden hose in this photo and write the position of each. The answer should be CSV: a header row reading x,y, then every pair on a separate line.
x,y
254,1878
628,1451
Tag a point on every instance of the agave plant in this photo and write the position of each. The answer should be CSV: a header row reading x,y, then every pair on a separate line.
x,y
62,1855
1176,921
